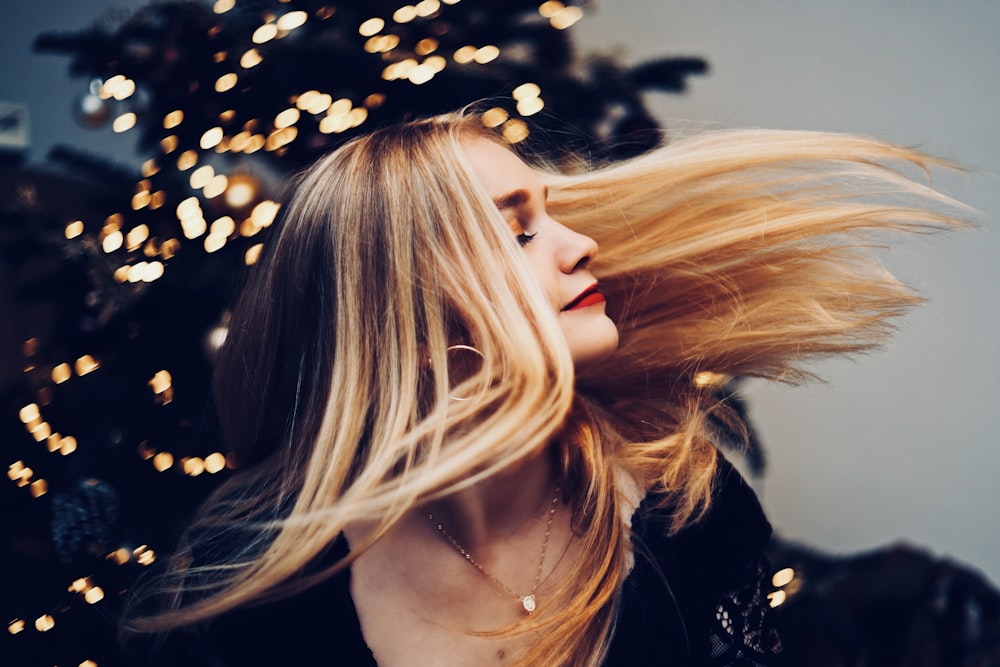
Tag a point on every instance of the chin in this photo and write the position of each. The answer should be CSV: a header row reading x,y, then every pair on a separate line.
x,y
598,345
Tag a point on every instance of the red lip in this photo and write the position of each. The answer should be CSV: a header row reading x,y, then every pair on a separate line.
x,y
587,297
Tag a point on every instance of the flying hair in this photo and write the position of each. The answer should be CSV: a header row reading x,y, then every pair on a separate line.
x,y
736,253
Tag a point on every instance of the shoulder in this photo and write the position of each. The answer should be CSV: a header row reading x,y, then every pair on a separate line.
x,y
296,629
695,597
732,532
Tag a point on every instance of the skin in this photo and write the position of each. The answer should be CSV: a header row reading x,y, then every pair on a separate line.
x,y
558,257
414,594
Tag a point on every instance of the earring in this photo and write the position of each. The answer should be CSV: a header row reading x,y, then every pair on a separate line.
x,y
463,348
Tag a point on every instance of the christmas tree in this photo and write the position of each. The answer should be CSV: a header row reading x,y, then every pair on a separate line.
x,y
120,280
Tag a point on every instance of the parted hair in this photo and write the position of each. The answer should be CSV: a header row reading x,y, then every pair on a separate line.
x,y
739,253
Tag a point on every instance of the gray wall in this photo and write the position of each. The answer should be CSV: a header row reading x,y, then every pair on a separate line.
x,y
42,81
903,444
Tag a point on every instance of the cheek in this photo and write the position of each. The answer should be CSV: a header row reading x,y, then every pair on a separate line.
x,y
547,280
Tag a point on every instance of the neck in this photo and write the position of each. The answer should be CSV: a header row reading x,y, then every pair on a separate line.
x,y
500,506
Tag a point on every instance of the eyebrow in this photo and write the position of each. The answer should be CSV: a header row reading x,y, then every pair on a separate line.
x,y
516,198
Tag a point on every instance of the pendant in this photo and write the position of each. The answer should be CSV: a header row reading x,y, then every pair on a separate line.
x,y
528,602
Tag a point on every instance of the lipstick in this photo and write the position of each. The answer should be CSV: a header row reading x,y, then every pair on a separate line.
x,y
588,297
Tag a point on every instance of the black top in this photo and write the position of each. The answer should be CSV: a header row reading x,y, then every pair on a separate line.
x,y
693,599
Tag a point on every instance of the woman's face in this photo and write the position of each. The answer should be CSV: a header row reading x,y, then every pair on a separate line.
x,y
558,256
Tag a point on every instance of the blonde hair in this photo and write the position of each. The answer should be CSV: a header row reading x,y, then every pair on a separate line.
x,y
738,253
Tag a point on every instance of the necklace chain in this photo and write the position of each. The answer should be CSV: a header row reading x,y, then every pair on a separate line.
x,y
527,601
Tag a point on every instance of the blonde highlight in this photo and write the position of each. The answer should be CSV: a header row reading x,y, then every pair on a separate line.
x,y
740,253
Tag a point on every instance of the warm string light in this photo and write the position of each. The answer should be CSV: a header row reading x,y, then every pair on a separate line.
x,y
514,130
40,430
372,26
205,178
226,82
337,119
242,191
124,122
494,117
140,272
144,555
528,97
168,144
482,55
211,138
143,194
252,254
291,21
314,102
264,33
426,46
219,233
280,137
381,43
187,159
415,71
787,584
374,101
246,142
74,229
560,16
191,218
261,217
173,119
112,238
119,87
192,466
342,115
45,622
193,223
287,118
23,476
279,27
161,383
87,590
251,58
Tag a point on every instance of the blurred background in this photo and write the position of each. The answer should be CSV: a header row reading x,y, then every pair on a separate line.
x,y
899,447
903,444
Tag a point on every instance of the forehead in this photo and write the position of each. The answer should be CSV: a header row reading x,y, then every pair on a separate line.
x,y
498,169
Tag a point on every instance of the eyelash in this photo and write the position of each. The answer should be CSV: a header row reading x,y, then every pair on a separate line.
x,y
525,238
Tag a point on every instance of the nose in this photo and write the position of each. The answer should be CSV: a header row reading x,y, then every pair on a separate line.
x,y
576,250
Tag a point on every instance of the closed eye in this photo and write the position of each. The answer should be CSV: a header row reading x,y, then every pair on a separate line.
x,y
523,235
525,238
518,201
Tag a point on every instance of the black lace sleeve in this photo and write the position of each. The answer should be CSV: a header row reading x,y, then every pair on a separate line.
x,y
743,634
698,598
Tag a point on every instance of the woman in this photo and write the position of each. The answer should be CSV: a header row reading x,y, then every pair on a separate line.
x,y
466,438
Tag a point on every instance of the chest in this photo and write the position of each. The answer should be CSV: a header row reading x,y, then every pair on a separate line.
x,y
416,594
455,620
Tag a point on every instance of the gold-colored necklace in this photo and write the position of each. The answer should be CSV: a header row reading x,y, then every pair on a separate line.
x,y
528,602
